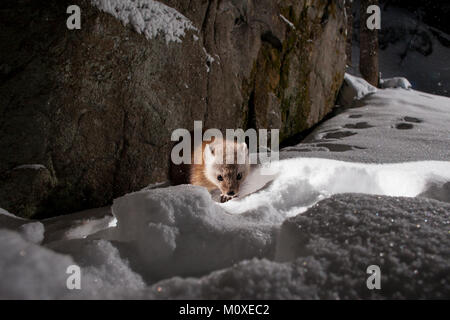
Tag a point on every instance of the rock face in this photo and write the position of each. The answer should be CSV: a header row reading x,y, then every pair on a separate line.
x,y
96,107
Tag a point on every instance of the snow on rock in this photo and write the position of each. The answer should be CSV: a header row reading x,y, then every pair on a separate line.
x,y
290,24
30,166
209,60
396,82
182,231
78,225
149,17
6,216
354,88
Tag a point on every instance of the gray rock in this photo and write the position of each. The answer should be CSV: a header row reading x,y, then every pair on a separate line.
x,y
25,188
97,106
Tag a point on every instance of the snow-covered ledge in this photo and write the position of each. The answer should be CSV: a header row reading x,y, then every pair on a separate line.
x,y
148,17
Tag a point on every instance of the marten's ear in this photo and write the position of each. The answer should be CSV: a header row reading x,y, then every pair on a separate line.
x,y
209,153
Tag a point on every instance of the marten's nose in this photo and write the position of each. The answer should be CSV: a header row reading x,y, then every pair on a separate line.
x,y
230,193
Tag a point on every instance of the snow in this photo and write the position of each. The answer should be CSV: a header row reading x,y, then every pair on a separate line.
x,y
186,228
31,231
6,213
290,24
354,88
29,271
386,126
368,186
78,225
209,60
30,166
105,274
324,253
320,178
148,17
396,82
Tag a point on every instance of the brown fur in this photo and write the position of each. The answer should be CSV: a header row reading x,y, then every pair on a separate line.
x,y
213,165
197,175
206,173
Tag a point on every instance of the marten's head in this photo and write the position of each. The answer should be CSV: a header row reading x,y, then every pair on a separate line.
x,y
227,165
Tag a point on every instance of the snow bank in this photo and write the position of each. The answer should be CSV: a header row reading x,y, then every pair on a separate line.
x,y
339,238
149,17
182,231
407,238
300,183
30,271
105,273
328,249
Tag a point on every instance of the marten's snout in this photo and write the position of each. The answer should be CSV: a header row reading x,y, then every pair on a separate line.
x,y
230,193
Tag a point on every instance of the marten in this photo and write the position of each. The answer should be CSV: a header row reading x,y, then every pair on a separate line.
x,y
215,172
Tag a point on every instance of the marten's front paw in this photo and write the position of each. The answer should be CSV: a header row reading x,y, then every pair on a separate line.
x,y
225,198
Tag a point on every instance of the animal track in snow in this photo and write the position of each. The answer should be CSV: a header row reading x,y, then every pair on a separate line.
x,y
359,125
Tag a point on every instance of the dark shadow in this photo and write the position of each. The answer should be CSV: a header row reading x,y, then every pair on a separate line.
x,y
404,126
412,119
337,147
339,135
359,125
437,192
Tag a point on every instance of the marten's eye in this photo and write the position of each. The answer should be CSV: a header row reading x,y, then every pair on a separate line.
x,y
220,178
239,176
